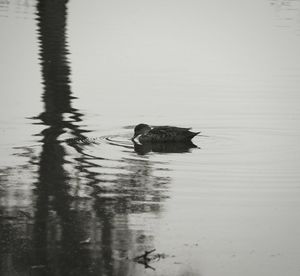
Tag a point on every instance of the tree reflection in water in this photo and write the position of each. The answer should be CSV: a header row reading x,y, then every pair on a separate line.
x,y
61,233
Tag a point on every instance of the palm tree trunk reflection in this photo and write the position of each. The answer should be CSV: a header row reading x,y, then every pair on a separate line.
x,y
61,245
61,226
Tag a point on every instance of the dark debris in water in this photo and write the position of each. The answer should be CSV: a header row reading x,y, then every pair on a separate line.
x,y
147,259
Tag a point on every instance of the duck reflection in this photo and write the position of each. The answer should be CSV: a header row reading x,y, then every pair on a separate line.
x,y
181,147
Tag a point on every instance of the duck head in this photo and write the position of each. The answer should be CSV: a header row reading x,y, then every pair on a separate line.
x,y
140,130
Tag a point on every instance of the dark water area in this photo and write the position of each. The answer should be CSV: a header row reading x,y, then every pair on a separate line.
x,y
78,197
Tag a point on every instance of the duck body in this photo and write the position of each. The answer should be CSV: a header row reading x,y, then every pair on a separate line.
x,y
143,133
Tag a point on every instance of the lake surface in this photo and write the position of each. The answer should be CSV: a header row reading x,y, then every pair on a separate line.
x,y
78,198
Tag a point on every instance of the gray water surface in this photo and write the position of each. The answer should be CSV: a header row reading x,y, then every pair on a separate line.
x,y
78,198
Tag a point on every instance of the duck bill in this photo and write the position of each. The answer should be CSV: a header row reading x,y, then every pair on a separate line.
x,y
135,138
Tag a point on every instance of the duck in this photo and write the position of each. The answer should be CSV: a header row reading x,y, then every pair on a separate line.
x,y
143,133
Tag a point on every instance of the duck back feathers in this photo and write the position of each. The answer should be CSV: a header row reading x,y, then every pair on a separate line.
x,y
161,134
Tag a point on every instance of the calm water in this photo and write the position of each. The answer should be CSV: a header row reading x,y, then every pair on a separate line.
x,y
77,198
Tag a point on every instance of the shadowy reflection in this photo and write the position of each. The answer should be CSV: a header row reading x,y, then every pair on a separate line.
x,y
163,147
78,220
56,244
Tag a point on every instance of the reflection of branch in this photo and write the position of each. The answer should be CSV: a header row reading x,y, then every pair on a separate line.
x,y
149,266
143,259
144,256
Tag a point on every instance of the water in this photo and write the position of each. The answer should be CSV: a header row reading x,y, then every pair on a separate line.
x,y
77,198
